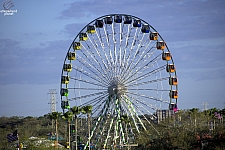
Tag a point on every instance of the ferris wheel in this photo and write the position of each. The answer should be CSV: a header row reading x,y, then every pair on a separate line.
x,y
121,66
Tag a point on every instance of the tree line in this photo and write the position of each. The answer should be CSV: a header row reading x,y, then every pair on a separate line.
x,y
186,129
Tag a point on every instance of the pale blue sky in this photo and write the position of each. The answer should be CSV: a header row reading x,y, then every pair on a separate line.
x,y
34,42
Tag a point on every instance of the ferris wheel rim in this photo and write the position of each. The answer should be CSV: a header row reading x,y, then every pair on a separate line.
x,y
110,87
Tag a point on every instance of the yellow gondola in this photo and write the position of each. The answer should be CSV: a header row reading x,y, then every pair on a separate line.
x,y
173,94
76,45
83,36
71,56
67,67
153,36
166,56
65,79
173,81
170,68
161,45
91,29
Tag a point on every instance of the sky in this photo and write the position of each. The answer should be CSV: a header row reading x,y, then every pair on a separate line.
x,y
34,41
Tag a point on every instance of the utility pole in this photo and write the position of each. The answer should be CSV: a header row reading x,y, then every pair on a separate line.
x,y
205,106
52,101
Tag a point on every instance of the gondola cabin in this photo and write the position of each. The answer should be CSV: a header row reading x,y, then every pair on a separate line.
x,y
64,92
173,94
108,20
137,23
83,36
173,81
127,19
170,68
99,23
76,45
145,28
166,56
91,29
153,36
67,67
173,107
118,18
71,55
65,105
160,45
65,79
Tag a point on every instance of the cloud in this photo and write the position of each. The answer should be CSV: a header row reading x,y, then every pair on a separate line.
x,y
180,20
34,65
73,29
199,56
199,61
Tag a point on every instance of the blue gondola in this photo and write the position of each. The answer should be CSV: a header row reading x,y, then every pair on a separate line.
x,y
145,28
108,20
137,23
99,23
118,18
127,19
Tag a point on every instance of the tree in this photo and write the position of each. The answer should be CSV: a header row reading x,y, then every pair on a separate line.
x,y
68,116
87,110
76,110
55,116
194,112
212,115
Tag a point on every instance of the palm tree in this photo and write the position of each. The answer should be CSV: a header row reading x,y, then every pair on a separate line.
x,y
55,116
76,111
87,110
126,121
68,116
194,111
207,114
212,114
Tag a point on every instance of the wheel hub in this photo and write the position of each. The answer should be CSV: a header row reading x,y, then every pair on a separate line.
x,y
116,88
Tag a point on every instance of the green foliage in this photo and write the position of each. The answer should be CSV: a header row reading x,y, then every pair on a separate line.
x,y
55,115
86,109
67,116
188,129
76,110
